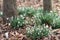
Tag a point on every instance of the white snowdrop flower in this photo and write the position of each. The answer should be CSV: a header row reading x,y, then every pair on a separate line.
x,y
12,17
23,22
9,24
18,22
6,34
51,11
27,28
28,31
38,33
47,26
1,13
24,14
32,29
21,15
31,19
7,18
17,18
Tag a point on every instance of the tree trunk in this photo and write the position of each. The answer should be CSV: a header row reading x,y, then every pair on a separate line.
x,y
0,5
47,5
9,9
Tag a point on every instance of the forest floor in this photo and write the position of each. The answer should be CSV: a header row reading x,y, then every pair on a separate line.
x,y
8,33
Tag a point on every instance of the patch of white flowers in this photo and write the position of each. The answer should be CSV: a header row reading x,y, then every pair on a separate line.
x,y
37,31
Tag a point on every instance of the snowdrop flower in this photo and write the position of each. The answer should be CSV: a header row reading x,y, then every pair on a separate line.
x,y
18,22
17,18
47,26
7,18
9,24
51,11
21,15
38,33
1,13
12,18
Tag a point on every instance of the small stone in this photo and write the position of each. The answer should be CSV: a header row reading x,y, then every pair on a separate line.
x,y
6,35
